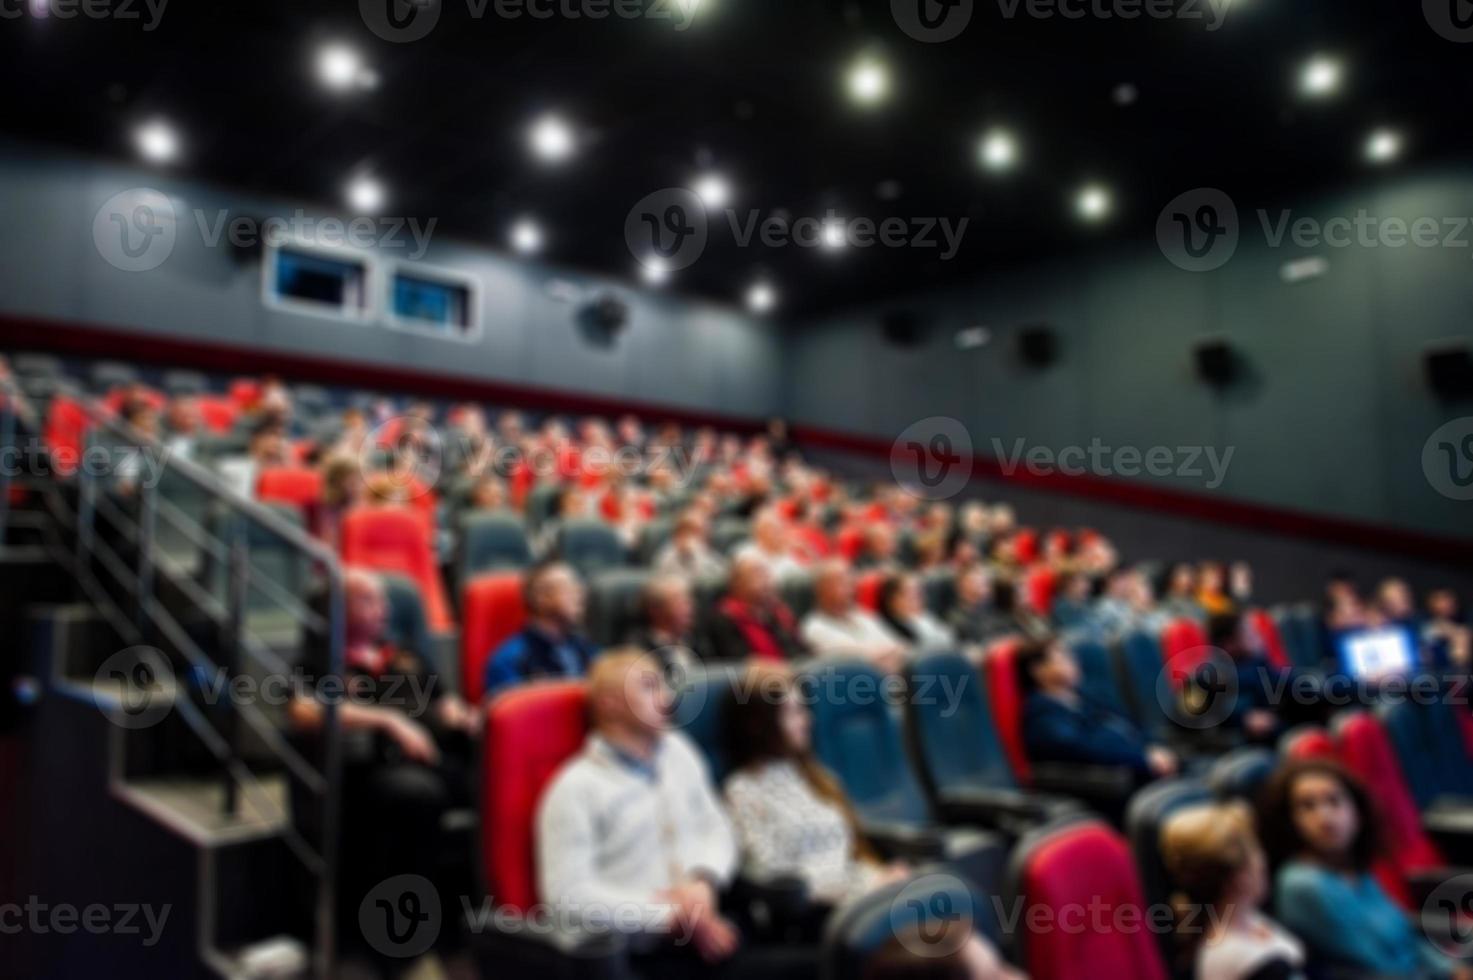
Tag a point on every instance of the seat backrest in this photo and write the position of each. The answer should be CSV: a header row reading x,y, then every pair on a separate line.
x,y
217,413
858,737
298,486
1001,670
1307,742
955,736
1148,812
1099,682
407,626
1184,649
652,537
1080,865
492,541
1269,638
940,588
704,694
392,539
728,532
531,731
492,609
1365,749
1406,730
1038,589
917,906
797,593
1305,636
614,597
867,589
65,429
589,545
1242,773
1140,668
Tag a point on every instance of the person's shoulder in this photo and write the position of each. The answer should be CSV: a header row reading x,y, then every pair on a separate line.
x,y
681,748
1301,880
569,783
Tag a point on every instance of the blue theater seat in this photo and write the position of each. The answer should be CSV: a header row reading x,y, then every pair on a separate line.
x,y
1141,665
1148,812
921,905
703,696
491,542
589,545
1100,683
1241,773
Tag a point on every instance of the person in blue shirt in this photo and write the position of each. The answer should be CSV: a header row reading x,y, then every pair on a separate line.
x,y
1060,725
551,644
1321,833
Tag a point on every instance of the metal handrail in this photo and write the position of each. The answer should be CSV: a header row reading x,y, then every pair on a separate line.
x,y
142,584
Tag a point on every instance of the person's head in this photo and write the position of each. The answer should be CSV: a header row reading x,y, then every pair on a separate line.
x,y
1313,809
268,443
183,415
879,543
901,597
770,722
627,695
769,531
554,595
1215,861
833,588
1047,665
689,531
668,604
1075,586
1211,578
488,493
974,585
1443,604
365,607
1181,580
342,480
1341,587
751,580
1394,597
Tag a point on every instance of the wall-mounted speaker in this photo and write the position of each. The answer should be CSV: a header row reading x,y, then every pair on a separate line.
x,y
1038,346
1449,369
602,320
1217,362
903,328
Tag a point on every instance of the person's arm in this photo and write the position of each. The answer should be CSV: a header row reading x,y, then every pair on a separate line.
x,y
752,818
567,866
713,850
501,667
1328,924
306,715
1054,733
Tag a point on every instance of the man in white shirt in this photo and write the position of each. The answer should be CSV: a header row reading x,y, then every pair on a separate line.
x,y
771,544
630,836
839,627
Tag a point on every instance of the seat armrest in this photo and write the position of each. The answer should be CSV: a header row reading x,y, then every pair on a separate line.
x,y
1082,781
1452,828
1007,809
904,842
775,906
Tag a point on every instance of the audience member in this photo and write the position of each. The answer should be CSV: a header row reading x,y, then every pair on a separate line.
x,y
551,644
903,609
770,545
750,620
839,627
687,552
975,619
667,630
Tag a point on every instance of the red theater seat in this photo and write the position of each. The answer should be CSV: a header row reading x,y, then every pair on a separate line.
x,y
1184,649
1001,666
867,590
65,432
245,392
1077,872
1307,742
1263,626
530,732
491,610
392,539
295,485
1038,589
217,414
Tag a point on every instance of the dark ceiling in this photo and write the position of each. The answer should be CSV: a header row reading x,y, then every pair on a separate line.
x,y
755,89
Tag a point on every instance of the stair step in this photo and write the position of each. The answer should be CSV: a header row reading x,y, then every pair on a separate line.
x,y
194,808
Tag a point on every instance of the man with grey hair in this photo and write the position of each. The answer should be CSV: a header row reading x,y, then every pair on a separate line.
x,y
668,627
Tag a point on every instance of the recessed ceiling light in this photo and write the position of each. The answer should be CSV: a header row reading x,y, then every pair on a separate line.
x,y
526,236
341,68
834,234
1125,94
998,150
365,194
868,81
551,139
654,271
157,141
761,298
713,190
1383,146
1320,77
1093,202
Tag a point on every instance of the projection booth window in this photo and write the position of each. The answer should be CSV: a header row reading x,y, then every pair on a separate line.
x,y
434,301
318,281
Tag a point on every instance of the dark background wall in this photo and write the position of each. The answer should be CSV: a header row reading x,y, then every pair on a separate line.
x,y
1331,416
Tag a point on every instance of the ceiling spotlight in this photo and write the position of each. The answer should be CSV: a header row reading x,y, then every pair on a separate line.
x,y
340,68
551,139
526,236
868,81
1320,77
1383,146
654,271
761,298
998,150
834,234
1125,94
157,141
1093,203
365,194
713,190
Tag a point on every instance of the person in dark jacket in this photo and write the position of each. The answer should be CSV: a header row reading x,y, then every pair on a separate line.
x,y
552,643
750,620
1060,725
